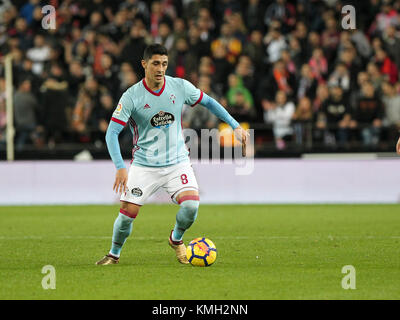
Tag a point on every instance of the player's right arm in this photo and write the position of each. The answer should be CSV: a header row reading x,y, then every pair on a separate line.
x,y
398,146
118,121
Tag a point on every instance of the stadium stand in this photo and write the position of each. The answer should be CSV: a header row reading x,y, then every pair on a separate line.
x,y
287,68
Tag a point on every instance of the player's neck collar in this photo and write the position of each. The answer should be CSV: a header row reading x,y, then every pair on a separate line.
x,y
151,91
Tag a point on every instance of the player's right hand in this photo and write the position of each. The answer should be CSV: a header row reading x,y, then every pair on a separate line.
x,y
121,178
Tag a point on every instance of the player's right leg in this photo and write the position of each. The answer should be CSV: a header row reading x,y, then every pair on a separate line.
x,y
122,229
140,185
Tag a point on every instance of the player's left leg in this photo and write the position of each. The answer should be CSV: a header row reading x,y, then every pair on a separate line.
x,y
181,184
189,205
189,202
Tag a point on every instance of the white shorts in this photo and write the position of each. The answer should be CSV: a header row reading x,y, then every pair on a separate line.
x,y
145,181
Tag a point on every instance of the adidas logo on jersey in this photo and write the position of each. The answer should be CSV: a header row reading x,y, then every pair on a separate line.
x,y
146,106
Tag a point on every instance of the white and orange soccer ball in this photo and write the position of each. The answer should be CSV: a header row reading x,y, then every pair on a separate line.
x,y
201,252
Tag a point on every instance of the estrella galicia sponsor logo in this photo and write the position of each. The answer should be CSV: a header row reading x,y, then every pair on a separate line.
x,y
162,119
137,192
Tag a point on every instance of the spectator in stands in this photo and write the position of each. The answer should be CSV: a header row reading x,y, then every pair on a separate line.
x,y
39,54
283,11
108,75
237,26
55,106
279,79
330,38
23,33
386,17
206,25
25,72
245,70
75,78
201,118
302,121
182,62
222,68
27,10
103,115
307,84
179,28
198,47
361,43
133,49
334,118
374,75
391,42
275,43
254,15
321,96
353,65
127,79
391,102
340,77
83,123
240,100
301,34
319,64
165,35
314,42
255,48
227,39
296,53
386,66
368,115
356,93
289,63
279,114
25,115
137,7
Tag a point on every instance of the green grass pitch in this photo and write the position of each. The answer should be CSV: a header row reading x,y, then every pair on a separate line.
x,y
264,252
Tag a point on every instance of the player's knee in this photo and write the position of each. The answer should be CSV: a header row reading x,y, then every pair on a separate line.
x,y
130,209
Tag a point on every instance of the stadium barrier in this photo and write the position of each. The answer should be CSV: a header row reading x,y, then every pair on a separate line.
x,y
271,181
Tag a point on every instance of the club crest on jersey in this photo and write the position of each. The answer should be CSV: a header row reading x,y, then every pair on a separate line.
x,y
162,119
172,98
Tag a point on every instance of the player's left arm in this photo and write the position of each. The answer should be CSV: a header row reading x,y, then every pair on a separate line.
x,y
194,96
398,146
216,108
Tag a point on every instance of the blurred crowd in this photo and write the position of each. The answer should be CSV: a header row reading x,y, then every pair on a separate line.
x,y
287,65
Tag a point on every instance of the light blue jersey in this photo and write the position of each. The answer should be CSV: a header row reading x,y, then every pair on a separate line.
x,y
155,120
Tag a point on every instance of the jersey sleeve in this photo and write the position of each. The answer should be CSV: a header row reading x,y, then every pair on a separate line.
x,y
123,110
193,95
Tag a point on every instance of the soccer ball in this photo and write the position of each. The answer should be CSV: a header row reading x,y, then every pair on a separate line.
x,y
201,252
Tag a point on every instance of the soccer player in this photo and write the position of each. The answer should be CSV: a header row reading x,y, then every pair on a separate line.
x,y
160,159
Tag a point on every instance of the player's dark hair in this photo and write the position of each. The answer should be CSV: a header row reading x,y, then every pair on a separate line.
x,y
153,49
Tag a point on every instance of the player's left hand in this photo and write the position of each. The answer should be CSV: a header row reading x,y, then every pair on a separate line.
x,y
398,147
242,135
